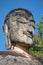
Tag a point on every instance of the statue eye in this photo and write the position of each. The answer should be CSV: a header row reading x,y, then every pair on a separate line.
x,y
23,22
32,21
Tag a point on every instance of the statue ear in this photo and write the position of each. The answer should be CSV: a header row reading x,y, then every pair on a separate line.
x,y
8,42
5,28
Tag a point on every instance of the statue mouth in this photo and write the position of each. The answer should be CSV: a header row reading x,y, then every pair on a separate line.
x,y
28,34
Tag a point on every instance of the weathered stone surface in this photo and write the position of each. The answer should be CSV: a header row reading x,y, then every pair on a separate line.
x,y
19,31
19,28
9,59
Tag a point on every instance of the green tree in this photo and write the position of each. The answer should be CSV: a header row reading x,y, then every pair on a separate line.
x,y
38,43
37,49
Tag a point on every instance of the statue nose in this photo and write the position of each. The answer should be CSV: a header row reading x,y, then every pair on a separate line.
x,y
31,30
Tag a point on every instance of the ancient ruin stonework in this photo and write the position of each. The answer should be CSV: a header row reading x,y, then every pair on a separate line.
x,y
12,58
19,28
19,34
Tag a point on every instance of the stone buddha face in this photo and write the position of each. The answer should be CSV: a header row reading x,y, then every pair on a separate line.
x,y
20,24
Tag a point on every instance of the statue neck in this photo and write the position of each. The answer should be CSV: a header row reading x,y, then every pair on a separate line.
x,y
21,50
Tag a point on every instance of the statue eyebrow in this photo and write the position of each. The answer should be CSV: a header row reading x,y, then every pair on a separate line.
x,y
32,21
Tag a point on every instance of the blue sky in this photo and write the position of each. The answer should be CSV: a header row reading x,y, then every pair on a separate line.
x,y
34,6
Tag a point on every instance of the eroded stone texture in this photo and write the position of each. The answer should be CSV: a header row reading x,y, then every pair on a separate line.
x,y
19,28
17,60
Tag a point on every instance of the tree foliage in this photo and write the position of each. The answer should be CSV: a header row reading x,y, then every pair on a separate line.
x,y
37,49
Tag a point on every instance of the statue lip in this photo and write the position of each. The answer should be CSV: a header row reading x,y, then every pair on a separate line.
x,y
29,34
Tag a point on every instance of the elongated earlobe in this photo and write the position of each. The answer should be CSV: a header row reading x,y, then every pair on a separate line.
x,y
8,42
